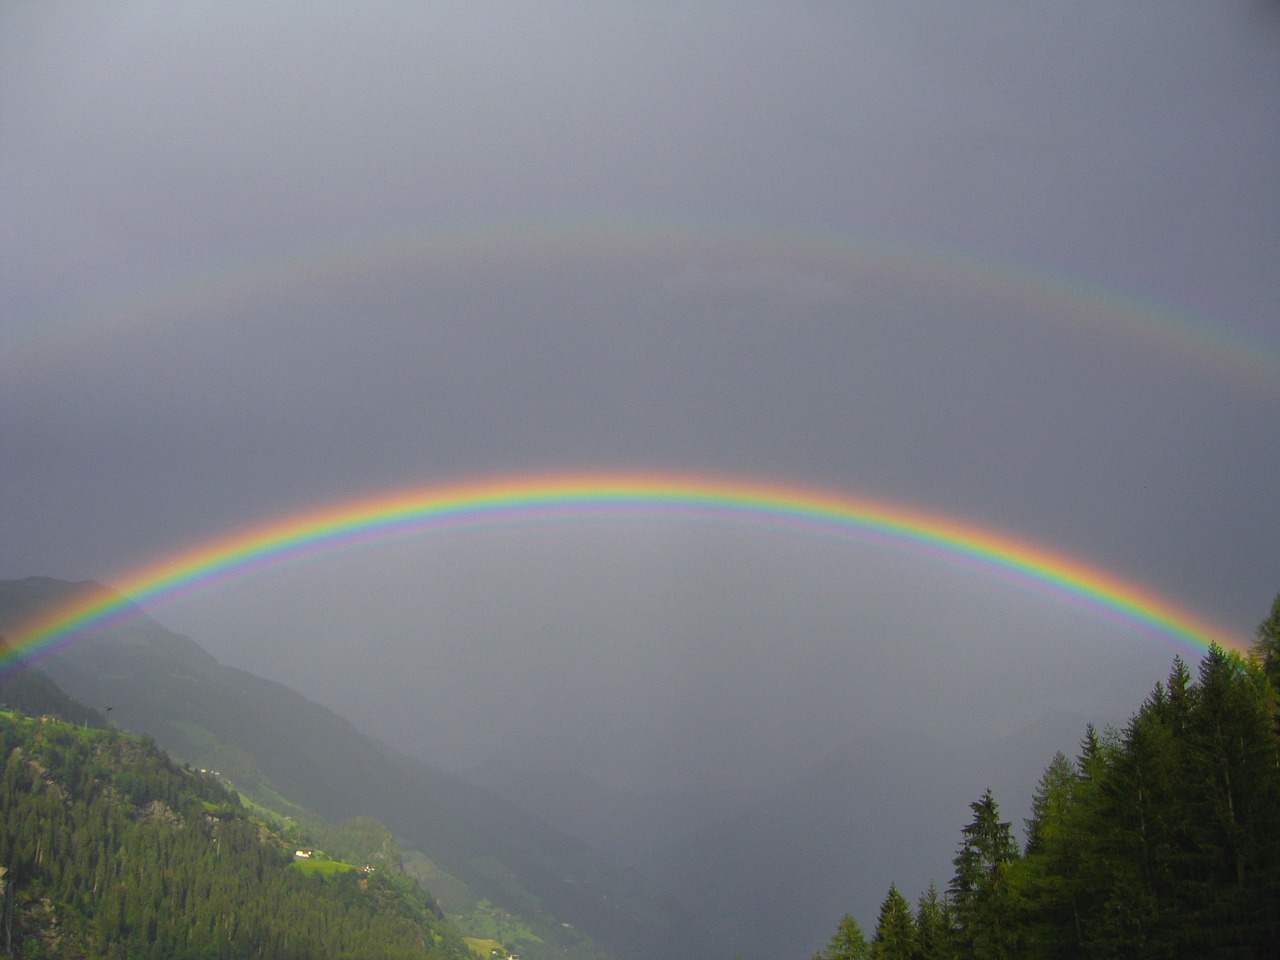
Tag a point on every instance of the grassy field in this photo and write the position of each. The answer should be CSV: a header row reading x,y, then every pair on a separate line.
x,y
486,922
482,948
319,864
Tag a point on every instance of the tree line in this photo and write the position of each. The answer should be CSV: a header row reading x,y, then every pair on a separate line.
x,y
1158,841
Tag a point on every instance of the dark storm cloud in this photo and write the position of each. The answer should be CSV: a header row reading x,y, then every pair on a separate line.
x,y
1126,152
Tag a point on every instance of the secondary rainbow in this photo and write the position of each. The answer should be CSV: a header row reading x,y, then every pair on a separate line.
x,y
1226,350
525,500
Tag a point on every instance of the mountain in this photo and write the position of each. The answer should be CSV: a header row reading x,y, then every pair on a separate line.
x,y
475,849
108,849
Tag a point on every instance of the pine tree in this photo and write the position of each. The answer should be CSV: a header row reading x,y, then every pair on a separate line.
x,y
1267,652
848,942
933,926
895,937
1269,641
1233,787
979,890
1162,841
1046,882
1050,804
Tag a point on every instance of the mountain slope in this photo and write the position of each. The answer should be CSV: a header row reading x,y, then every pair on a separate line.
x,y
274,743
108,849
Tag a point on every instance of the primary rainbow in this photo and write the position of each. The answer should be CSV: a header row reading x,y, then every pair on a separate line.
x,y
524,500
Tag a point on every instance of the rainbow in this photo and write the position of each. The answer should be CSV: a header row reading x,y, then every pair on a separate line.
x,y
1225,350
525,500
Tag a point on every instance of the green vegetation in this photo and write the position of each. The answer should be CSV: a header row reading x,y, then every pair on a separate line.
x,y
320,865
483,948
487,922
310,768
110,850
1158,841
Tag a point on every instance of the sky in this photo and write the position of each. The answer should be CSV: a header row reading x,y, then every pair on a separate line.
x,y
1009,263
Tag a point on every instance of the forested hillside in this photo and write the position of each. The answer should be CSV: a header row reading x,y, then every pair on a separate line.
x,y
499,872
110,850
1160,840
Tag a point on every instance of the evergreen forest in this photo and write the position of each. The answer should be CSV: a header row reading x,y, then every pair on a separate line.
x,y
110,850
1158,841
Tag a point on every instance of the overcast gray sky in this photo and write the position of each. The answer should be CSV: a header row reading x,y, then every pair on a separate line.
x,y
1016,263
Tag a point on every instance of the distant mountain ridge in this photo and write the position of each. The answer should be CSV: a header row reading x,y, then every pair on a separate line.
x,y
766,869
273,742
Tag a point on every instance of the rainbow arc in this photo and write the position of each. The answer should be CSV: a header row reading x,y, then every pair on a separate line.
x,y
521,501
1221,348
